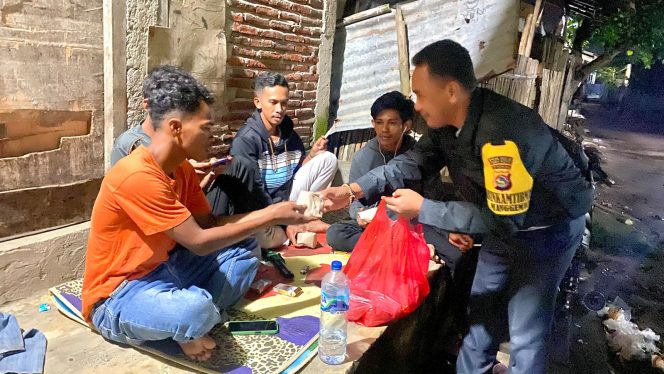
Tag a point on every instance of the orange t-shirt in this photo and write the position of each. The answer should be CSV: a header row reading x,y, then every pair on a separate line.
x,y
137,202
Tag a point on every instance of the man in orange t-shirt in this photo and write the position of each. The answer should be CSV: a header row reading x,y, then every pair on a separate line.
x,y
154,269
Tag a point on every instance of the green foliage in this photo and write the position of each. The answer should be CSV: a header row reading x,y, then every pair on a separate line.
x,y
611,76
636,30
573,24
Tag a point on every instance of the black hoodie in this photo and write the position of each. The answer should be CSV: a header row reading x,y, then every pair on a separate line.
x,y
278,162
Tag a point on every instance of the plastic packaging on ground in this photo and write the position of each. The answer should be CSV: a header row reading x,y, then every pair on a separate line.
x,y
625,337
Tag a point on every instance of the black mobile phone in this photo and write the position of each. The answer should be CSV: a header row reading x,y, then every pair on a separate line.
x,y
221,161
264,327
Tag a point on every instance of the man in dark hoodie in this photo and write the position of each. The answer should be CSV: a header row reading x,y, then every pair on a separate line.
x,y
268,138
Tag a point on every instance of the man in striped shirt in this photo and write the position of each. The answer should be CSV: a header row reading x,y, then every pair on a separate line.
x,y
268,138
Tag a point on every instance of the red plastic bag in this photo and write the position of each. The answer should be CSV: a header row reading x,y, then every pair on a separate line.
x,y
388,270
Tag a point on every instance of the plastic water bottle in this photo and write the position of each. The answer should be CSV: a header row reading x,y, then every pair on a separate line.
x,y
334,301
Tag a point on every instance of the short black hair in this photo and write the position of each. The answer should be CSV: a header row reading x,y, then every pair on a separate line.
x,y
269,79
394,100
448,59
169,88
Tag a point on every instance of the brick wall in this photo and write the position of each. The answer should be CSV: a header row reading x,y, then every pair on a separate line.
x,y
273,35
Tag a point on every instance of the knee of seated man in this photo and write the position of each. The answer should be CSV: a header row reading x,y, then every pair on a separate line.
x,y
333,235
240,249
328,158
198,306
245,257
339,238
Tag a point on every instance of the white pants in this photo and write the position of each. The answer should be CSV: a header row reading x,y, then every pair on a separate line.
x,y
316,175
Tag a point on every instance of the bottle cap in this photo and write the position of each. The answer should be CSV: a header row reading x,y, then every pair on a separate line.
x,y
336,265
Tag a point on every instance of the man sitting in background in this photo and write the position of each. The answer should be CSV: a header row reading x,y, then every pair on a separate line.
x,y
268,138
392,118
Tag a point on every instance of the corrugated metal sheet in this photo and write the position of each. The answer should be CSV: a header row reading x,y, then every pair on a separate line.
x,y
487,28
370,68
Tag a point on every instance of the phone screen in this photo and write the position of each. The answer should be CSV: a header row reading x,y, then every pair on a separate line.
x,y
222,161
248,326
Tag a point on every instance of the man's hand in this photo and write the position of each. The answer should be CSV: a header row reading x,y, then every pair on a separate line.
x,y
335,198
206,173
316,226
292,231
288,213
407,203
360,221
206,180
319,147
462,241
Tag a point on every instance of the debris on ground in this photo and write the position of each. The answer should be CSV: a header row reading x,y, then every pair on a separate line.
x,y
657,362
624,337
625,220
304,270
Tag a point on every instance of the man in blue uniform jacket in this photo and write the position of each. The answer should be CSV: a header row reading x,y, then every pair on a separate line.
x,y
515,184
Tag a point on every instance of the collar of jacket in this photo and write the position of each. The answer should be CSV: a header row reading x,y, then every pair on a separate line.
x,y
471,123
255,122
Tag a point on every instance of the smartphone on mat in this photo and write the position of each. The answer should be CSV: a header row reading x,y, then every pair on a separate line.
x,y
263,327
221,161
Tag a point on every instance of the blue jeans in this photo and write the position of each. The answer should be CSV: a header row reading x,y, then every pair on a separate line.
x,y
515,286
20,352
182,299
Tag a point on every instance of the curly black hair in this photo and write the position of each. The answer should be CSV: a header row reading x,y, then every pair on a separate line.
x,y
394,100
169,88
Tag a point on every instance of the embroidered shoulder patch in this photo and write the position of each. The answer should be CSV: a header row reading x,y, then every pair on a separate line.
x,y
506,180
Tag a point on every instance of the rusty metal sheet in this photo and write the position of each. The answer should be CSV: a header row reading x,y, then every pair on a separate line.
x,y
367,66
366,53
487,28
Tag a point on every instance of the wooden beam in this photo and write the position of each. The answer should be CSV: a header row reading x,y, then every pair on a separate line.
x,y
568,92
524,35
115,74
402,43
369,13
532,27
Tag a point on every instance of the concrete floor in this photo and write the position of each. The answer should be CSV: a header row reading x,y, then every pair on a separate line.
x,y
73,349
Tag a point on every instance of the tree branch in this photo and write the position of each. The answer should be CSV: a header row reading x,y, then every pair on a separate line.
x,y
604,60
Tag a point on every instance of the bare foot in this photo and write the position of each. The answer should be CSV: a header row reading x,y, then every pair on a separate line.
x,y
199,349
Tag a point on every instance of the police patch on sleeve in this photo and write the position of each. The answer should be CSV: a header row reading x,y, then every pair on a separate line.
x,y
507,182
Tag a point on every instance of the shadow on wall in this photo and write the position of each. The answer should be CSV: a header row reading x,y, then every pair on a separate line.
x,y
26,131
